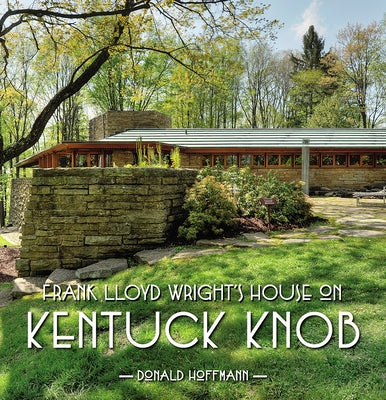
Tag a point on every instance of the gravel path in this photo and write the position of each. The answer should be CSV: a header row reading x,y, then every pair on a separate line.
x,y
8,257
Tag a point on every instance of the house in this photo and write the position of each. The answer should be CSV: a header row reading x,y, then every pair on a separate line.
x,y
338,158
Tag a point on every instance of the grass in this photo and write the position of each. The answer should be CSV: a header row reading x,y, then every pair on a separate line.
x,y
4,242
297,372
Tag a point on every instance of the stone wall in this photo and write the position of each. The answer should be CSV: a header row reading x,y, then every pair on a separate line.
x,y
347,178
20,191
112,122
78,216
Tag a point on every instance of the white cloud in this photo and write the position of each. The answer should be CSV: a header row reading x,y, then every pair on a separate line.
x,y
310,16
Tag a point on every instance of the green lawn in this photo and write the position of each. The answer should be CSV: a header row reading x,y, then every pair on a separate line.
x,y
298,372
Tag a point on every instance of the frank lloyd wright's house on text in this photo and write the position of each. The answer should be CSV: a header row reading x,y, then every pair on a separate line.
x,y
338,158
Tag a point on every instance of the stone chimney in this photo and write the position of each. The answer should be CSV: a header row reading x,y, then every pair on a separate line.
x,y
112,122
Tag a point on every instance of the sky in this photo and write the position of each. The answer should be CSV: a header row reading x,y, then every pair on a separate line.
x,y
328,17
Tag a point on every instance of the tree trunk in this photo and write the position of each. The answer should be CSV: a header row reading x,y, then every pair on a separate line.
x,y
70,89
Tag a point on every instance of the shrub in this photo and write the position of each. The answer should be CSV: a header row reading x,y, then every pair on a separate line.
x,y
212,210
293,206
247,188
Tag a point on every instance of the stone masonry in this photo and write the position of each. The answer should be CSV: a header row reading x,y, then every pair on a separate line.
x,y
112,122
20,190
78,216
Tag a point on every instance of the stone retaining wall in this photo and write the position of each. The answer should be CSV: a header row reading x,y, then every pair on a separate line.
x,y
20,191
78,216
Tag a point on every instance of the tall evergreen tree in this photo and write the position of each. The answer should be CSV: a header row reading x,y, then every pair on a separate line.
x,y
313,51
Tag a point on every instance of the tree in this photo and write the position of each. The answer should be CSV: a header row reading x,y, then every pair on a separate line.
x,y
208,96
313,51
360,51
101,27
266,86
333,112
316,76
307,92
129,81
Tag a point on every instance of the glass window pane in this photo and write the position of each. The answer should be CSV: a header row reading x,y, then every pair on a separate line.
x,y
298,160
380,160
206,160
246,160
65,160
95,160
341,160
355,159
273,159
81,160
258,160
327,159
232,159
314,159
286,160
367,159
108,160
219,160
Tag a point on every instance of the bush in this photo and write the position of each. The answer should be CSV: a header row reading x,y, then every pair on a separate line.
x,y
220,195
212,210
247,188
292,205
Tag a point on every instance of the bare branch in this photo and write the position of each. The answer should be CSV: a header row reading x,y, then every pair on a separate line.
x,y
130,7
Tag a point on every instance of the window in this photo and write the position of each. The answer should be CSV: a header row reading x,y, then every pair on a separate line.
x,y
108,160
65,160
367,160
232,159
286,160
355,160
80,160
246,160
340,160
380,160
361,160
298,160
273,160
259,160
206,160
327,160
219,160
95,160
314,160
280,160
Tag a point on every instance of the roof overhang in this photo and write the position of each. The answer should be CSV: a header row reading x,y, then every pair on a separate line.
x,y
226,140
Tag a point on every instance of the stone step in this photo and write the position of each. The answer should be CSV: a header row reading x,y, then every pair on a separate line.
x,y
151,257
26,286
63,278
102,269
193,253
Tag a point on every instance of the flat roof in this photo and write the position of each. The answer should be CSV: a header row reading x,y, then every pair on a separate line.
x,y
255,138
201,139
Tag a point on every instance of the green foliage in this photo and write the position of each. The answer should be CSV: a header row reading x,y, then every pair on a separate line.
x,y
147,156
313,47
247,188
333,112
175,157
212,210
292,205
